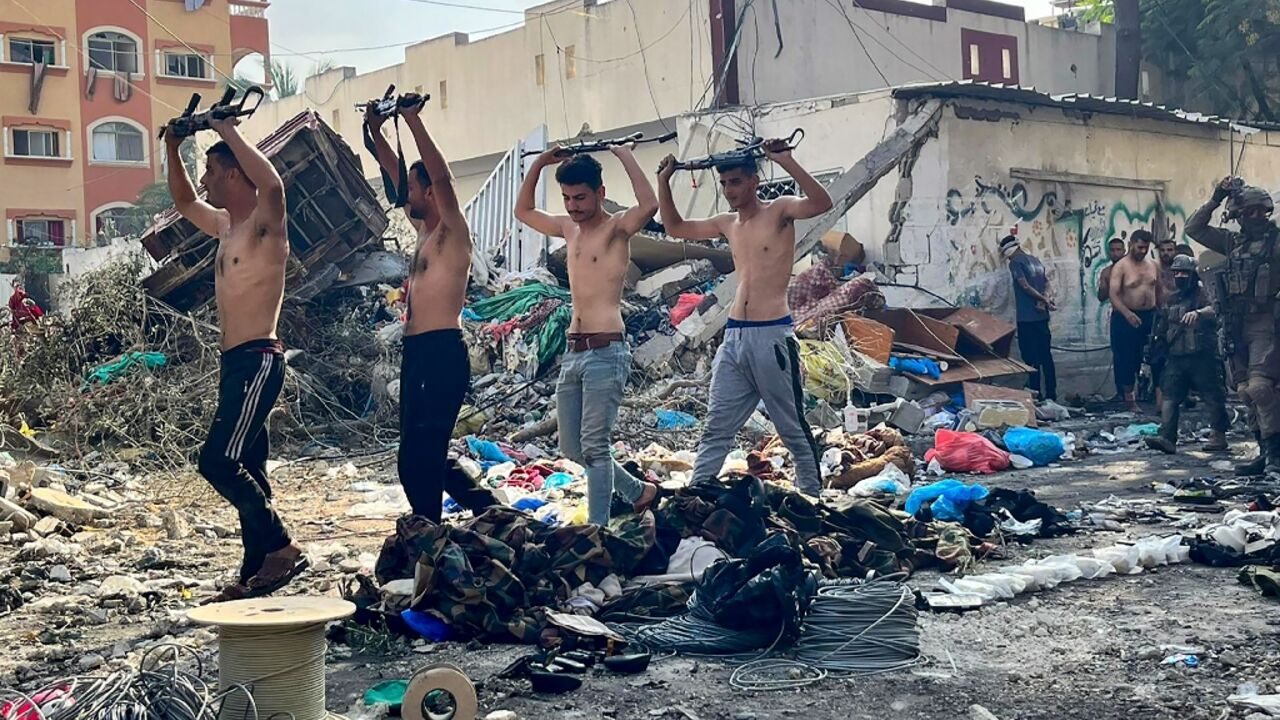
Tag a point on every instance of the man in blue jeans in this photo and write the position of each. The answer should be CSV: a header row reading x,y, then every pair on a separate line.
x,y
593,373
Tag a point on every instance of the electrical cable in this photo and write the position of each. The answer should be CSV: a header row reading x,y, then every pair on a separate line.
x,y
852,629
856,36
898,40
644,61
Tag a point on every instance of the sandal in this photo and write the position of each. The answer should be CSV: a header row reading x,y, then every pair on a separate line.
x,y
276,572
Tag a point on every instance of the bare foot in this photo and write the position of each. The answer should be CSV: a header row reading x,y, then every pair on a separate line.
x,y
647,496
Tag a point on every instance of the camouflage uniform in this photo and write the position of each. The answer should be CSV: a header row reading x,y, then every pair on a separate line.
x,y
1247,285
1191,360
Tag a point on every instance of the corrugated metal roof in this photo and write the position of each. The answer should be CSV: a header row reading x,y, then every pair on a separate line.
x,y
1070,101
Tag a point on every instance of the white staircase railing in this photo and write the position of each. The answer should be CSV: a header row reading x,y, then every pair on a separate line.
x,y
491,213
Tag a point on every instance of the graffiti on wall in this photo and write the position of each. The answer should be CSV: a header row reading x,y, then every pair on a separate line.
x,y
1066,226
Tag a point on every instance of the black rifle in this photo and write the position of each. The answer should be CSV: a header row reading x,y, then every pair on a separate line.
x,y
602,145
191,122
390,106
750,149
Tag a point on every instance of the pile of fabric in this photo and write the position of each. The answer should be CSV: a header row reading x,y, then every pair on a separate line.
x,y
539,310
866,455
817,294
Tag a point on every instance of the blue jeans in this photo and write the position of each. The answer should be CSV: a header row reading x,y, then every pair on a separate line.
x,y
588,394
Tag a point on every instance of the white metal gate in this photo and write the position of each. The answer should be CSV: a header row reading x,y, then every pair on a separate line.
x,y
491,213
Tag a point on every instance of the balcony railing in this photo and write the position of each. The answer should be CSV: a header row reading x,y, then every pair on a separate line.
x,y
248,8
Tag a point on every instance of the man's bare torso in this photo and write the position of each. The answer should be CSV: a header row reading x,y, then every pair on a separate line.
x,y
598,258
249,281
1137,282
763,249
438,276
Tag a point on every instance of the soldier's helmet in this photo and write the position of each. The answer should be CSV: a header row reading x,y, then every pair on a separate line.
x,y
1183,263
1249,197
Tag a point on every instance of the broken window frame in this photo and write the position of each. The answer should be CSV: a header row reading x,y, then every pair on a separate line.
x,y
185,62
48,50
113,47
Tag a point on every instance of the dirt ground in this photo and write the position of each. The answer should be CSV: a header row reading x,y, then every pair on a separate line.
x,y
1089,649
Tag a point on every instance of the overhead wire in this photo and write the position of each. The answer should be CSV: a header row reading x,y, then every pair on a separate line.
x,y
856,36
644,61
944,74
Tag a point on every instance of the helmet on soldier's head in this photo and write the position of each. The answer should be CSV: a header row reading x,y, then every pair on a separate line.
x,y
1183,263
1247,198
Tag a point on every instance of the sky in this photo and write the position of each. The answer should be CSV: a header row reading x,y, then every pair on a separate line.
x,y
318,27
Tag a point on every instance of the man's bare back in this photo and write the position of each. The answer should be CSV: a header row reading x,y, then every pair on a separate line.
x,y
249,281
438,279
1136,282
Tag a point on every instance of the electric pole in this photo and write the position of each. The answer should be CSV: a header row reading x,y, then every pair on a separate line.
x,y
1128,48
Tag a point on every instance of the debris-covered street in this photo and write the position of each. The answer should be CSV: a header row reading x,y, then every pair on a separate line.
x,y
1088,648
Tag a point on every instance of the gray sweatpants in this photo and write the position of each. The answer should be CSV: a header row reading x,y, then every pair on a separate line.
x,y
755,363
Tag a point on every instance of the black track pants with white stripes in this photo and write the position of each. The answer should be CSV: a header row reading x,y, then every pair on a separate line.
x,y
234,456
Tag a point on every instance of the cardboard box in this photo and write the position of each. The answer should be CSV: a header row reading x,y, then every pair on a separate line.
x,y
843,248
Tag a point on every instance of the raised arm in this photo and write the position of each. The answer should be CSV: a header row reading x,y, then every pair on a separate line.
x,y
437,170
636,217
1198,227
201,214
527,210
383,153
676,226
259,170
816,200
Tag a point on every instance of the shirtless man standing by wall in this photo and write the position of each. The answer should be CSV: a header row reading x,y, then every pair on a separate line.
x,y
1135,294
435,372
1115,253
759,357
245,211
593,373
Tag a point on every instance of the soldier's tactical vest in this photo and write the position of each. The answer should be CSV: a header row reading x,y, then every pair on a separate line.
x,y
1249,273
1183,340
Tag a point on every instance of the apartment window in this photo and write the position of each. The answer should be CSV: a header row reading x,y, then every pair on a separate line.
x,y
118,142
24,50
36,143
185,65
975,60
41,233
1006,64
989,57
540,70
444,95
114,52
570,62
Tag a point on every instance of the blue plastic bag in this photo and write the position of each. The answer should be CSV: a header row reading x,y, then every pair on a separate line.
x,y
674,420
557,480
428,626
1038,446
949,499
486,450
916,366
529,504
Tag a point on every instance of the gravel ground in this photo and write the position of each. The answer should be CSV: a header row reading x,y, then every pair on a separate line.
x,y
1090,649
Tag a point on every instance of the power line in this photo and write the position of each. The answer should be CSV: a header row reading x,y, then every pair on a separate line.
x,y
175,36
644,60
898,40
856,36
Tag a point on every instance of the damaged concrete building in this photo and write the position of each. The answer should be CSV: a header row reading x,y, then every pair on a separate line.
x,y
1069,172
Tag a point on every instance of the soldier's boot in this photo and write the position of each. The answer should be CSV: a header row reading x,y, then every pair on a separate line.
x,y
1256,465
1167,440
1217,442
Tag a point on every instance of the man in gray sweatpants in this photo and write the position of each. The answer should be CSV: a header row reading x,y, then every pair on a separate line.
x,y
759,358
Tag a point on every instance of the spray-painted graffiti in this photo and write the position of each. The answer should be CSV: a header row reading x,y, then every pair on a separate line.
x,y
1066,225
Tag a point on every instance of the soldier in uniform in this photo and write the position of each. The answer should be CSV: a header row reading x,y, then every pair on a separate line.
x,y
1185,338
1247,287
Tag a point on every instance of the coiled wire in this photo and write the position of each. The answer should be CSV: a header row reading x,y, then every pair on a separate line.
x,y
158,690
851,629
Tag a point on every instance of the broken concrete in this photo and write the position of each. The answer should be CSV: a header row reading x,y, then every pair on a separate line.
x,y
65,507
21,519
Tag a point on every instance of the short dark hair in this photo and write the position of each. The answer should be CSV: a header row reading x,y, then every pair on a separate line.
x,y
1141,235
227,158
580,170
1167,241
1185,249
419,168
1115,240
746,164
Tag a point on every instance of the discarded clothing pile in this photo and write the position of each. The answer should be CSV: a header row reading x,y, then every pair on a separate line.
x,y
817,294
497,575
540,310
866,454
983,512
1242,538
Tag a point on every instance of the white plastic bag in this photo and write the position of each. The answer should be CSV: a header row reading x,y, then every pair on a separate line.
x,y
1030,581
1124,558
1019,462
965,586
891,480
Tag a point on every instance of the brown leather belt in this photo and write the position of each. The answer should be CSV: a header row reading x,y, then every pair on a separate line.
x,y
581,342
